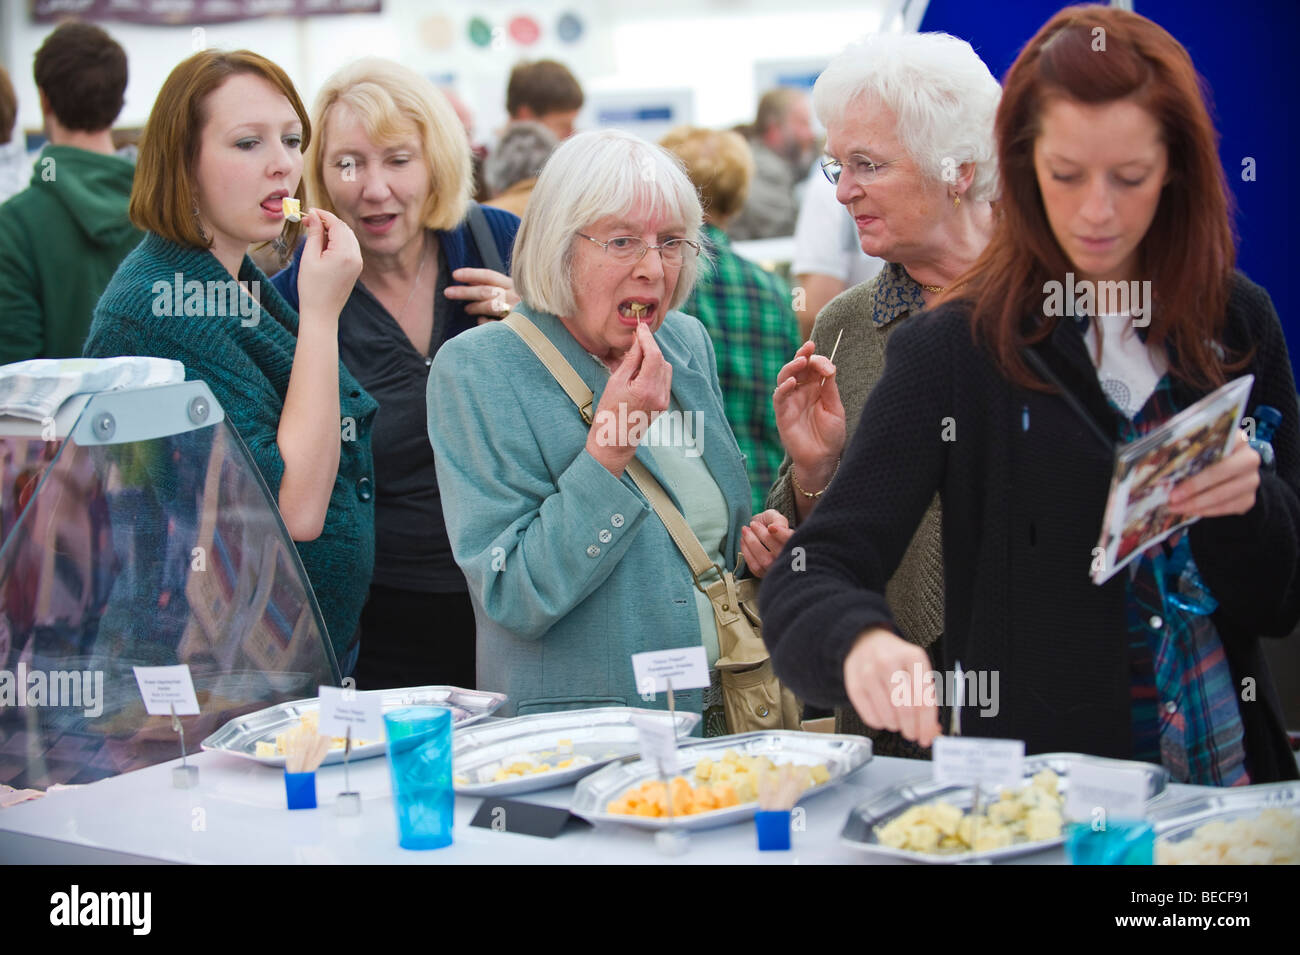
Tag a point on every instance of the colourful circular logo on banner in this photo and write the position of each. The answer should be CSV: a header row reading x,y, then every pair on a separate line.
x,y
480,32
569,27
437,33
524,31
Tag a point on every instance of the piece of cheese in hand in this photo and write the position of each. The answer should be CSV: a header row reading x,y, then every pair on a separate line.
x,y
292,209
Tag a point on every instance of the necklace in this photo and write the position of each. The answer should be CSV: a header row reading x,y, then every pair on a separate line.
x,y
935,288
424,260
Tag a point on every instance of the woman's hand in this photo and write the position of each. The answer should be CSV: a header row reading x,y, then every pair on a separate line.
x,y
331,263
761,541
1227,487
870,677
642,384
810,417
486,293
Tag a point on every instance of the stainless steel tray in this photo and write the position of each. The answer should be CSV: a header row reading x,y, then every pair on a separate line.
x,y
1179,820
843,756
602,734
241,735
860,829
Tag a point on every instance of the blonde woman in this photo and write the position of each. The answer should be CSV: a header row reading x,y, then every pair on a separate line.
x,y
392,161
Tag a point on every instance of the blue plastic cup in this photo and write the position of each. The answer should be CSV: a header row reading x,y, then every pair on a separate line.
x,y
419,759
1122,842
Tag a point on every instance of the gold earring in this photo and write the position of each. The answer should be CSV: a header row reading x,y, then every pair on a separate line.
x,y
956,201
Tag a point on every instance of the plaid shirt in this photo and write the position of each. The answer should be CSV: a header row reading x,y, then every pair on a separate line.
x,y
1184,699
748,313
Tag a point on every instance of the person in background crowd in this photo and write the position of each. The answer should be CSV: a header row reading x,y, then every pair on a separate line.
x,y
909,120
478,152
1110,175
512,169
784,144
62,238
221,150
547,92
828,256
392,161
13,154
570,569
745,308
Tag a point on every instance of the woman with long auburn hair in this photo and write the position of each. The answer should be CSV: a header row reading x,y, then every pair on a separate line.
x,y
1106,302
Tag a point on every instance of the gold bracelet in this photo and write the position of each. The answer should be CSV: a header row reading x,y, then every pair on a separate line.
x,y
795,481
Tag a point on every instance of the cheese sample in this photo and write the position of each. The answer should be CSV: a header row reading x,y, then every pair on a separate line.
x,y
730,781
1032,814
1271,838
292,209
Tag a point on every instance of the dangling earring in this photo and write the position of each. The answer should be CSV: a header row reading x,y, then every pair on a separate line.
x,y
198,222
956,201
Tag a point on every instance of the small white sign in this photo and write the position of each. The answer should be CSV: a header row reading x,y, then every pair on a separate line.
x,y
969,761
1119,790
341,708
163,687
657,735
687,667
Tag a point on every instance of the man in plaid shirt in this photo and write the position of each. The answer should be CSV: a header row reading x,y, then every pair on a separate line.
x,y
746,309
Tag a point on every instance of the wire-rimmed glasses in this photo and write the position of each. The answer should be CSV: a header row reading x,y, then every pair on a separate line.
x,y
628,249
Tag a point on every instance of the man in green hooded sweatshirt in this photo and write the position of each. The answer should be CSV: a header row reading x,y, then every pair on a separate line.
x,y
62,237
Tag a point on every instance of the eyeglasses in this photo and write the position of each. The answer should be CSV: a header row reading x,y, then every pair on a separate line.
x,y
862,169
628,249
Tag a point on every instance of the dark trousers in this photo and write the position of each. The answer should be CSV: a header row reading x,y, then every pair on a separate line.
x,y
416,639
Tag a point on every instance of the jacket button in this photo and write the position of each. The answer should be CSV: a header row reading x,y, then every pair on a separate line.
x,y
1156,622
762,712
365,490
1171,707
428,362
593,551
605,536
617,520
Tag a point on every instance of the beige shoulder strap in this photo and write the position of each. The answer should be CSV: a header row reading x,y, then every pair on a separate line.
x,y
696,556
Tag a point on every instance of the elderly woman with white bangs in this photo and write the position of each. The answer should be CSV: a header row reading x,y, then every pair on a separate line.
x,y
910,148
570,569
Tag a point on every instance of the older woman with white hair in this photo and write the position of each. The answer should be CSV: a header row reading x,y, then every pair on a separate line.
x,y
909,141
511,170
569,567
391,159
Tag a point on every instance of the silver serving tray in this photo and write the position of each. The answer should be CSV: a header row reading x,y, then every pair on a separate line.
x,y
860,828
240,736
1180,819
843,756
602,733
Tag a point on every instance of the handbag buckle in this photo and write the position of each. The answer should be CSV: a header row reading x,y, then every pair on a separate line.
x,y
720,571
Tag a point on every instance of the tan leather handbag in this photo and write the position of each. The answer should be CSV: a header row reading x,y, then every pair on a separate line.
x,y
752,696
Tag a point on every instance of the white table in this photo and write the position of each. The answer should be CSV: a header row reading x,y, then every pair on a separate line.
x,y
237,815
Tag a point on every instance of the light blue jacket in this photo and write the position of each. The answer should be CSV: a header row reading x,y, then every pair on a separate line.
x,y
569,568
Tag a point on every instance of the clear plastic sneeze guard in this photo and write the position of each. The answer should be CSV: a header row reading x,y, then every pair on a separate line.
x,y
135,530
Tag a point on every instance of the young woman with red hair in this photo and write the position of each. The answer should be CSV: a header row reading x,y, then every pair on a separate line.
x,y
1012,411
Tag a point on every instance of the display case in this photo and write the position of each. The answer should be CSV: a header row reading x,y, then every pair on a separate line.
x,y
135,530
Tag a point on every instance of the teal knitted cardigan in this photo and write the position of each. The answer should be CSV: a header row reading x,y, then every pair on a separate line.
x,y
246,362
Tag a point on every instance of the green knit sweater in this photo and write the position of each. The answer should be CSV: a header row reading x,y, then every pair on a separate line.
x,y
246,361
61,239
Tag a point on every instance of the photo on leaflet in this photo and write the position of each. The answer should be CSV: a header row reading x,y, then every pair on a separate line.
x,y
1146,471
